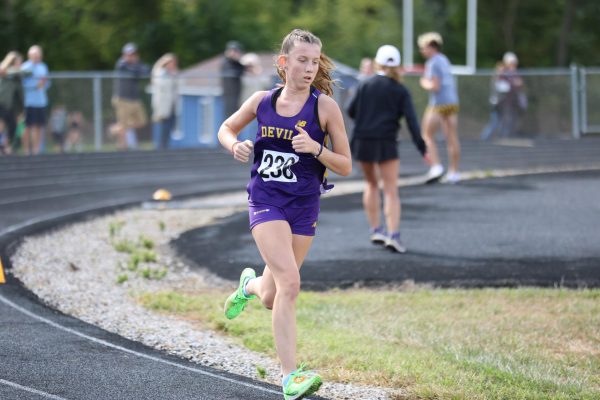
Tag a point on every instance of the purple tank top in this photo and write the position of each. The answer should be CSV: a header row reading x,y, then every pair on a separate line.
x,y
280,176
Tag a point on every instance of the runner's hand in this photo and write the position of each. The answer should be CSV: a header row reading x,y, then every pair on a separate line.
x,y
427,158
303,143
242,150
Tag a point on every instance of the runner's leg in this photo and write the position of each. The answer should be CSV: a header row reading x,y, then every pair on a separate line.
x,y
391,200
449,125
276,246
371,198
430,125
264,286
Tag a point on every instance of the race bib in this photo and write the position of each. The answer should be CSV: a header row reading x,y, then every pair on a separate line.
x,y
276,166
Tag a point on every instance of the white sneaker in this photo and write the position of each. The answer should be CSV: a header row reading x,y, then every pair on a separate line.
x,y
378,236
452,177
435,173
393,243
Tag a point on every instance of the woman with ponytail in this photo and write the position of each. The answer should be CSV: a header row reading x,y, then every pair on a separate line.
x,y
296,122
377,107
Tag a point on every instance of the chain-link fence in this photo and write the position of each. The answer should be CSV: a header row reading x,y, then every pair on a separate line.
x,y
589,100
561,103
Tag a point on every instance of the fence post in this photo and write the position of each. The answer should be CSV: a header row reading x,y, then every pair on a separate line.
x,y
97,93
575,111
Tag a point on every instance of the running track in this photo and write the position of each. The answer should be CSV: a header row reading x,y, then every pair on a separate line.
x,y
47,355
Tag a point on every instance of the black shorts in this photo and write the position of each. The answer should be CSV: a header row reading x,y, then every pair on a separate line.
x,y
59,137
35,116
374,150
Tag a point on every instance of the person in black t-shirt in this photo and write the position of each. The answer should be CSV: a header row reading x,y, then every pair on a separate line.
x,y
379,103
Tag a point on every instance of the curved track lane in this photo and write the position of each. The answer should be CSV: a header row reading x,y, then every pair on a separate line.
x,y
47,355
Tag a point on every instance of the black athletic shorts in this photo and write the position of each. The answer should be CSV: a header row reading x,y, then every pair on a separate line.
x,y
374,150
35,116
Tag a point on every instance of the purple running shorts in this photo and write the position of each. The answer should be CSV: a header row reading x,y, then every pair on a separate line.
x,y
303,221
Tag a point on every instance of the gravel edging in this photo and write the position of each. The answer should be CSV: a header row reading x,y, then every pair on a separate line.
x,y
79,278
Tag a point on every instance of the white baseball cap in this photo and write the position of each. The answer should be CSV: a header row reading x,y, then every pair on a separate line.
x,y
388,56
510,58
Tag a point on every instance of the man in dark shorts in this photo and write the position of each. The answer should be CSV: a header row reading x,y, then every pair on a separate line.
x,y
35,84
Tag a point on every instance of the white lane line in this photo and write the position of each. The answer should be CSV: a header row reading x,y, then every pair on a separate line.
x,y
49,217
126,350
30,390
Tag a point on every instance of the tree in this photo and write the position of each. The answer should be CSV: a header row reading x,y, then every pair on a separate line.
x,y
89,34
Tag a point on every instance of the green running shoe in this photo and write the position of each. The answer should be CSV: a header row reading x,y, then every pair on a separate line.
x,y
301,384
236,302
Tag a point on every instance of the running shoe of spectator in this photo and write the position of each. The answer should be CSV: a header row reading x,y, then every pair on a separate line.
x,y
394,243
378,235
452,177
435,173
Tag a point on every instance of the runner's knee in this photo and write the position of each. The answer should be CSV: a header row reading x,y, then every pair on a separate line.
x,y
290,287
267,297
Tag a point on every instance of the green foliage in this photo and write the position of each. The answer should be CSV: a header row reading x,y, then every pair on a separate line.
x,y
122,278
140,252
115,227
146,242
153,273
430,344
125,246
133,262
88,35
261,371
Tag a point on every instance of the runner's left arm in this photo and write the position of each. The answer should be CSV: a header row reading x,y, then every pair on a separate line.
x,y
336,159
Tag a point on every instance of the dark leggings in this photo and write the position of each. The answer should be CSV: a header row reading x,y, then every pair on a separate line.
x,y
10,120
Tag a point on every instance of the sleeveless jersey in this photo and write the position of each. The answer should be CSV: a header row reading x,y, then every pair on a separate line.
x,y
280,176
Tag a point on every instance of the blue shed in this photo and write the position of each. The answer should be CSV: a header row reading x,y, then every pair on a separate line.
x,y
201,102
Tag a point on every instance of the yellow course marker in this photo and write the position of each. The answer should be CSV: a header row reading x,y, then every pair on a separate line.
x,y
2,280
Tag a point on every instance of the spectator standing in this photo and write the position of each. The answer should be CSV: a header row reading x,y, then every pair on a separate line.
x,y
253,79
73,140
11,95
164,96
126,99
58,126
231,77
365,69
514,99
4,144
498,89
377,107
35,84
442,109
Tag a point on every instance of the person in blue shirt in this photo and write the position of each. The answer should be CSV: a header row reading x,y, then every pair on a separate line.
x,y
442,109
35,85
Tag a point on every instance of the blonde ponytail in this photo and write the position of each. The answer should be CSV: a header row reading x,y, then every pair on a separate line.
x,y
323,81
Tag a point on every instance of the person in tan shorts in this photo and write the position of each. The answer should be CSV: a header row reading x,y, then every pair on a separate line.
x,y
442,109
131,116
126,100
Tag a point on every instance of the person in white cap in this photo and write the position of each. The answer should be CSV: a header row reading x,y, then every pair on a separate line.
x,y
377,107
442,109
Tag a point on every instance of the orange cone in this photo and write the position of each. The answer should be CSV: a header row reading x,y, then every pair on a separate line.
x,y
2,280
161,195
